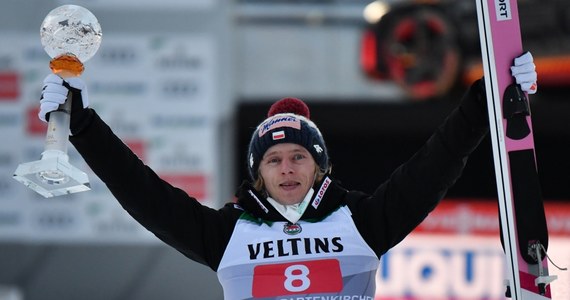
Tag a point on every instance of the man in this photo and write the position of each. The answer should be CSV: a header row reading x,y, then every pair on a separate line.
x,y
294,231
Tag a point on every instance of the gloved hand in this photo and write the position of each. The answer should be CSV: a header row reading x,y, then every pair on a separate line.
x,y
54,93
474,104
523,70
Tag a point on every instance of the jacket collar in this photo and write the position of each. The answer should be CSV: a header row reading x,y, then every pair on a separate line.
x,y
328,197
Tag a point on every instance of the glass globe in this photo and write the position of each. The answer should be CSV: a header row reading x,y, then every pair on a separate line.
x,y
71,29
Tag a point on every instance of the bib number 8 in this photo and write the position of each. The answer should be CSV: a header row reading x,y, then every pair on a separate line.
x,y
307,277
297,279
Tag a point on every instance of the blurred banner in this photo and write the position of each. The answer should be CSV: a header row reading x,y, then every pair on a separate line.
x,y
155,91
456,254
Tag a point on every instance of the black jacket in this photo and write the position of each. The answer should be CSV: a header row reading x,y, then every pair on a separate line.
x,y
383,218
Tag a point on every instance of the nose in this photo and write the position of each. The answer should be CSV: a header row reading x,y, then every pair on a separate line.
x,y
286,167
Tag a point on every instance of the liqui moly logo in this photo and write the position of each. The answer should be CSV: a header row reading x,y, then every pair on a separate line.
x,y
503,10
321,192
279,121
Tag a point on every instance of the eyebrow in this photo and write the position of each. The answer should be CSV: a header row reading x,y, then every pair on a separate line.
x,y
296,150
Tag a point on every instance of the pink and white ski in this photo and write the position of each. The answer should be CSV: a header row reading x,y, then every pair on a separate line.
x,y
523,223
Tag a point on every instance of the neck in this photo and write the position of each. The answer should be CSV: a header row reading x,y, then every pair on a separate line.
x,y
292,212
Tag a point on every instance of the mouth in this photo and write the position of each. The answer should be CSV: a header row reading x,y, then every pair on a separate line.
x,y
289,185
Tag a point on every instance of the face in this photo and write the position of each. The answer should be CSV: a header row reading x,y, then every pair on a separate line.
x,y
288,171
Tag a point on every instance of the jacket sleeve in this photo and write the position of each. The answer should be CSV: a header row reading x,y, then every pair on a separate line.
x,y
416,187
199,232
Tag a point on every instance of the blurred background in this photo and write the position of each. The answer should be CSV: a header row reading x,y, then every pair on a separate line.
x,y
184,83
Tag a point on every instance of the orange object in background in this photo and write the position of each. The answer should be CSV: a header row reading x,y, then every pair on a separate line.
x,y
431,48
552,71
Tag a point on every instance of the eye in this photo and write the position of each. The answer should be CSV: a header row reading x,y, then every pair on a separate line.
x,y
298,156
273,160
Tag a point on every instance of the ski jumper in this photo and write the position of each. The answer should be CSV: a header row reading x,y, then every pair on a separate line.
x,y
333,250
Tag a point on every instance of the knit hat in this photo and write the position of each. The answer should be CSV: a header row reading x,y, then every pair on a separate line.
x,y
287,122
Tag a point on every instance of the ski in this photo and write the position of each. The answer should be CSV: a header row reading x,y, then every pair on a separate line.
x,y
524,233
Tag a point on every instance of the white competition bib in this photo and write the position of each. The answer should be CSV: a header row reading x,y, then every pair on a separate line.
x,y
283,261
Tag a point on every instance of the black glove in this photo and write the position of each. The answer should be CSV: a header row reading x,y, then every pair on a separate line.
x,y
474,105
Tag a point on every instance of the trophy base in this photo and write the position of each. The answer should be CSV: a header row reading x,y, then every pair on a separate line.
x,y
52,176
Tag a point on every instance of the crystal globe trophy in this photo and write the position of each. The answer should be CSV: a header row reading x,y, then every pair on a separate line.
x,y
70,35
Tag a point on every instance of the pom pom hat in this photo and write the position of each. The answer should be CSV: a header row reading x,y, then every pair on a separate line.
x,y
287,122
